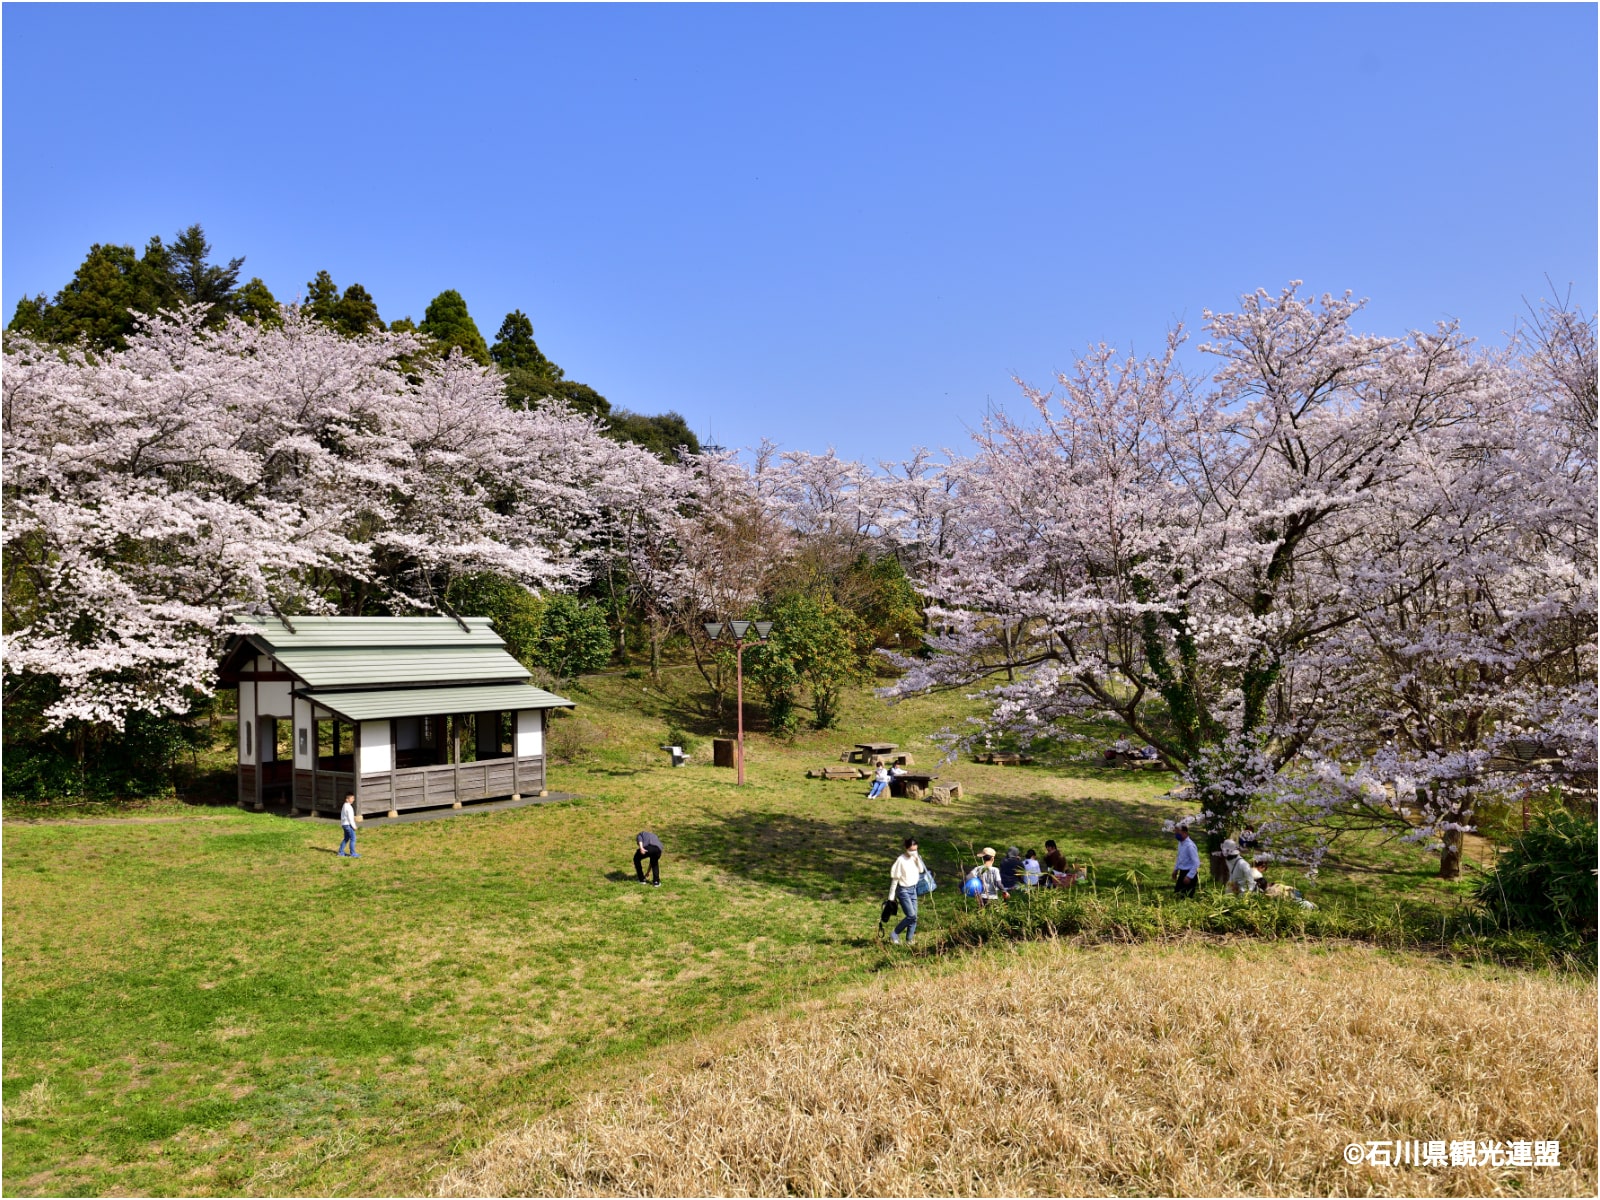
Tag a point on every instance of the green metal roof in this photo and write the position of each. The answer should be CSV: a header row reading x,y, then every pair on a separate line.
x,y
428,702
353,633
407,666
352,652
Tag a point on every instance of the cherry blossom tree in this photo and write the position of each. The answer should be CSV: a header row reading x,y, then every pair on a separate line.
x,y
152,494
1207,561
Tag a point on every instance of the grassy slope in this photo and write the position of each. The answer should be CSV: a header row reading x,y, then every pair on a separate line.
x,y
219,1004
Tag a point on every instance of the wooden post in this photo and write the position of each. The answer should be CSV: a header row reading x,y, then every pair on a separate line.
x,y
316,749
355,769
544,751
455,758
394,766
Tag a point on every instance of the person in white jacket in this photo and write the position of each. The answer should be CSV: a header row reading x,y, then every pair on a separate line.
x,y
347,818
903,878
880,780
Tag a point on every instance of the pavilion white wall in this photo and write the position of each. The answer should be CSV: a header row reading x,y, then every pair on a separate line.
x,y
530,732
247,720
375,753
305,735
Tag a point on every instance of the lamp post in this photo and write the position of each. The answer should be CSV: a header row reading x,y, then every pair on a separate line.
x,y
738,629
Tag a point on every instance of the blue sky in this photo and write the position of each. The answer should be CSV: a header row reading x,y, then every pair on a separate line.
x,y
845,225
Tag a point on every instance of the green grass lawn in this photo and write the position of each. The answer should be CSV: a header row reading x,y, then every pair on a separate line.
x,y
218,1004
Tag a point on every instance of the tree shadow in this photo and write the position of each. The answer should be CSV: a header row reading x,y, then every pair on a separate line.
x,y
810,855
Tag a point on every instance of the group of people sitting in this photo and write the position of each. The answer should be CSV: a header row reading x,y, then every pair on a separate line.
x,y
1244,876
1123,750
881,778
991,881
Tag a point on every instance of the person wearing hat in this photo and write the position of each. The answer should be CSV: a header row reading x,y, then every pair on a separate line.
x,y
987,874
1241,878
1186,871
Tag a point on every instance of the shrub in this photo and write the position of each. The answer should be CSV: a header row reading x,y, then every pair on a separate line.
x,y
572,738
1122,915
135,761
678,736
573,638
1545,880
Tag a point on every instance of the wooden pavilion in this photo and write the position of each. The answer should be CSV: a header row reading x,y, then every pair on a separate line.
x,y
404,712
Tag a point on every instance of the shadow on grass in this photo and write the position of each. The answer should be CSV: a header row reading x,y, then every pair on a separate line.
x,y
812,855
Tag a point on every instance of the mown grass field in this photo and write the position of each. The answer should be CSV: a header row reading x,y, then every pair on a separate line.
x,y
218,1004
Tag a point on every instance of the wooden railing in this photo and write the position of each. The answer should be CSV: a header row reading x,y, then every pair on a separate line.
x,y
406,788
426,787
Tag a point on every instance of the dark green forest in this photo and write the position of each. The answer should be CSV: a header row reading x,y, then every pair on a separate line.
x,y
98,307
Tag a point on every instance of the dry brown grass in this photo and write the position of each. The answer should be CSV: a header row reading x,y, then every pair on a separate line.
x,y
1193,1070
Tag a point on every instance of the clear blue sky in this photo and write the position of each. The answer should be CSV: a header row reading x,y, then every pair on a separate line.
x,y
844,225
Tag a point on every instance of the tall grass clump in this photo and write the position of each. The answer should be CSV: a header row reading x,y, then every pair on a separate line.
x,y
1545,880
1122,914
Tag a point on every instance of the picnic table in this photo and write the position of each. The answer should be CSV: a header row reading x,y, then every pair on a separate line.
x,y
909,786
867,751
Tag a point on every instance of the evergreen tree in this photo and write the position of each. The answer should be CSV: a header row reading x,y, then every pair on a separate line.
x,y
448,323
358,312
352,314
32,317
403,325
661,434
322,300
255,303
515,350
530,377
581,398
98,304
200,281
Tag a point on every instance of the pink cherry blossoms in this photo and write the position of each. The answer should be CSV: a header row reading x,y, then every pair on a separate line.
x,y
151,494
1343,572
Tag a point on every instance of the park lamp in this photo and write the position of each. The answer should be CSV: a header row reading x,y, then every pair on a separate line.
x,y
738,629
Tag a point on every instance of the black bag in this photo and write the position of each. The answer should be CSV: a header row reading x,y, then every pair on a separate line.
x,y
890,907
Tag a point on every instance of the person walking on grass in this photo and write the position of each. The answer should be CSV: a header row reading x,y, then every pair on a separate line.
x,y
1186,871
903,876
347,819
647,845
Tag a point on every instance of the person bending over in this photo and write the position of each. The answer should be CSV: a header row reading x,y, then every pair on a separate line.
x,y
647,846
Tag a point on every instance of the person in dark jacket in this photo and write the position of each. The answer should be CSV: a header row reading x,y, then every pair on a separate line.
x,y
648,846
1011,869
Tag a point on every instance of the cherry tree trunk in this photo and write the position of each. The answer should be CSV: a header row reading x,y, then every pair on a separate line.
x,y
1219,865
1450,856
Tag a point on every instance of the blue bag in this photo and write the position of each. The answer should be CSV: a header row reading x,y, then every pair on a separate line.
x,y
973,886
926,882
